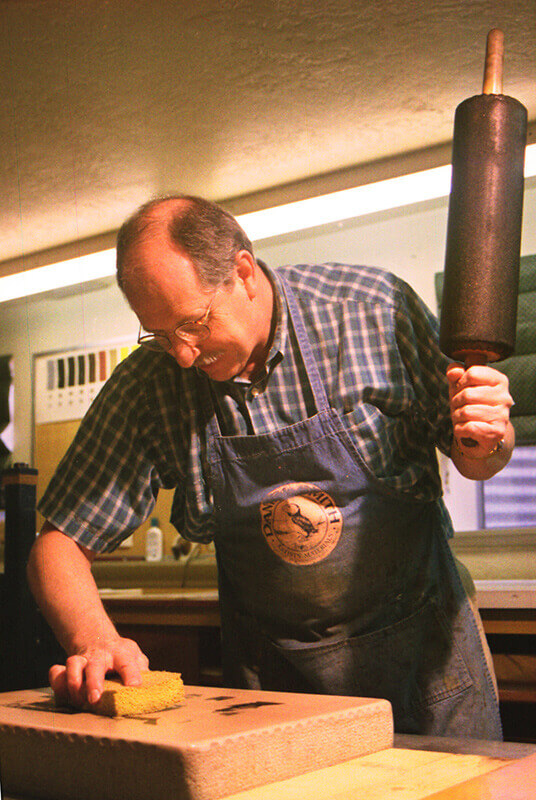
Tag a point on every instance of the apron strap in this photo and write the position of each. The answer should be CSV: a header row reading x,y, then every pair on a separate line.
x,y
317,387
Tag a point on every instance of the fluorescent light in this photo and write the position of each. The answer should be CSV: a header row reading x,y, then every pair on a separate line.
x,y
404,190
54,276
348,203
530,161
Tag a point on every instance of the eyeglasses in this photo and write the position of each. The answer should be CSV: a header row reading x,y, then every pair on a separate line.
x,y
189,332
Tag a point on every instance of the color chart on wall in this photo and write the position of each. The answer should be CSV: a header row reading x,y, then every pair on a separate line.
x,y
66,383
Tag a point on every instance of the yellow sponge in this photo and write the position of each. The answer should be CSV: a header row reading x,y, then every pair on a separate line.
x,y
158,691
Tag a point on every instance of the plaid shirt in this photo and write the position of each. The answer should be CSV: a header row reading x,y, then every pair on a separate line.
x,y
375,344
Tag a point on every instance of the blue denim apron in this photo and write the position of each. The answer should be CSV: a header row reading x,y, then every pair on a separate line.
x,y
331,582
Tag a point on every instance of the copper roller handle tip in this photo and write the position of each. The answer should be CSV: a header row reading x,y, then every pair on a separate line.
x,y
493,66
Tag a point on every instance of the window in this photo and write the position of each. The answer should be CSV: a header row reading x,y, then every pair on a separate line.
x,y
509,498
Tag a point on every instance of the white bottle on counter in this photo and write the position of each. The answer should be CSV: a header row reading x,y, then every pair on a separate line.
x,y
154,542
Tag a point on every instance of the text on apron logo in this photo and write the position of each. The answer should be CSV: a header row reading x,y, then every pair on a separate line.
x,y
300,523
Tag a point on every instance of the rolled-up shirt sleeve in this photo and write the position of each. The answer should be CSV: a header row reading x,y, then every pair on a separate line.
x,y
107,482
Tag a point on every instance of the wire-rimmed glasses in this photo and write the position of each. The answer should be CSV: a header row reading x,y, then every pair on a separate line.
x,y
191,333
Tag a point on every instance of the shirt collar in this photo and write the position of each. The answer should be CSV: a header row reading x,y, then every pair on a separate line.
x,y
280,312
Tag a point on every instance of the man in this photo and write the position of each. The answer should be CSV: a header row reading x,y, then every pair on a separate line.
x,y
297,412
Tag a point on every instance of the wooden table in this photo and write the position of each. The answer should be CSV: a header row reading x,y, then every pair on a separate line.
x,y
398,774
402,774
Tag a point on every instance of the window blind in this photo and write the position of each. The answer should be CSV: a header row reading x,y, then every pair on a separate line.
x,y
509,498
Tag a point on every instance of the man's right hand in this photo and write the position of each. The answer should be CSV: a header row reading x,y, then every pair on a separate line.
x,y
81,680
59,574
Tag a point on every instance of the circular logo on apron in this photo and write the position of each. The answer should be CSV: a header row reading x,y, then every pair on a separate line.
x,y
300,522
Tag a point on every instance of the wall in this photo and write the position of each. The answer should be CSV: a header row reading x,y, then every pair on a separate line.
x,y
409,242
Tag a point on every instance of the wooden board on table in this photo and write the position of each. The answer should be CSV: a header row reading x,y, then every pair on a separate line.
x,y
391,774
516,781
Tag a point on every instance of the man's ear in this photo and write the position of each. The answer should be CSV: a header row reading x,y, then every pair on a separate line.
x,y
247,271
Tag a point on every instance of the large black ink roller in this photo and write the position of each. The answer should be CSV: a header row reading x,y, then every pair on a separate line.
x,y
479,304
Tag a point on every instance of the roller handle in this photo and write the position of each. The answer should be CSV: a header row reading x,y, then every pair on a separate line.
x,y
472,359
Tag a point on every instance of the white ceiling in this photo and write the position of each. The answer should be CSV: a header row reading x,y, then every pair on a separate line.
x,y
105,103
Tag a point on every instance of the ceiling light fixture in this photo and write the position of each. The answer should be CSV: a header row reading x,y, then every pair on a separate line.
x,y
82,269
337,206
347,203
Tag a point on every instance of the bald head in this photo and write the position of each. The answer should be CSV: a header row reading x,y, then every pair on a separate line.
x,y
185,260
202,231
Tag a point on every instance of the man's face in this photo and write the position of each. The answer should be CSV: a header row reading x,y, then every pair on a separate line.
x,y
168,294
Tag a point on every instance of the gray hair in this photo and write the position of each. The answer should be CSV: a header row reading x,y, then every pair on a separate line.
x,y
205,232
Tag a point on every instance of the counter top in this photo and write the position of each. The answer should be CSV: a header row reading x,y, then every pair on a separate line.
x,y
190,606
475,747
490,594
506,594
156,595
192,572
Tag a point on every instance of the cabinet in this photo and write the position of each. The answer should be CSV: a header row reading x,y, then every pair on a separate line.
x,y
508,611
178,631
